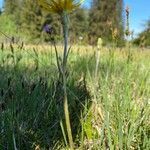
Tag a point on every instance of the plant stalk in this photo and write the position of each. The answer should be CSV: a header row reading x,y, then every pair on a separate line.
x,y
64,80
65,25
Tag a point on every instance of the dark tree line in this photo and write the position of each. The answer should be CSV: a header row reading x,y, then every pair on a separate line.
x,y
143,38
103,19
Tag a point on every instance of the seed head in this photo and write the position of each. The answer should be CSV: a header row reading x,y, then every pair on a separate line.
x,y
99,43
127,10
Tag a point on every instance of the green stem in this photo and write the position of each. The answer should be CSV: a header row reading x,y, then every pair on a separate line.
x,y
65,25
66,109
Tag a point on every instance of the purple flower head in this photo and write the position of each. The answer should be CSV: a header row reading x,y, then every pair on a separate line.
x,y
48,29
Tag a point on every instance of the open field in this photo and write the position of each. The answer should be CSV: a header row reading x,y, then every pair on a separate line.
x,y
109,110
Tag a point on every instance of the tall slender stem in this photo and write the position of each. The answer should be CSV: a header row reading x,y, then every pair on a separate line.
x,y
64,65
65,25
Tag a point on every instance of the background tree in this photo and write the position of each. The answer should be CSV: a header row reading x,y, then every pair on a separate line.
x,y
10,6
31,18
105,17
79,25
144,37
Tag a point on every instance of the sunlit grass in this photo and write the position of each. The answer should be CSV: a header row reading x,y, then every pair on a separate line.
x,y
110,112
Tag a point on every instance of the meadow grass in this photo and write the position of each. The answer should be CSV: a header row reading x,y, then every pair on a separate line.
x,y
108,112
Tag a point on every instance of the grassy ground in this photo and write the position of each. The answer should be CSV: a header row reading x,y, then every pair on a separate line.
x,y
108,111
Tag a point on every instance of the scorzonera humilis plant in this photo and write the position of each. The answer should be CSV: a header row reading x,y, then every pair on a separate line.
x,y
63,8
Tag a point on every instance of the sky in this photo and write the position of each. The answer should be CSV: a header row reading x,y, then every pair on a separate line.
x,y
1,2
140,12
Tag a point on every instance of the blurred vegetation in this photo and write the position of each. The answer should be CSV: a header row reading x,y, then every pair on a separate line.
x,y
86,25
25,20
105,20
7,25
29,19
143,38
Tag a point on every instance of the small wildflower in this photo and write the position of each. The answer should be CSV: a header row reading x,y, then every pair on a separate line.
x,y
48,29
81,38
